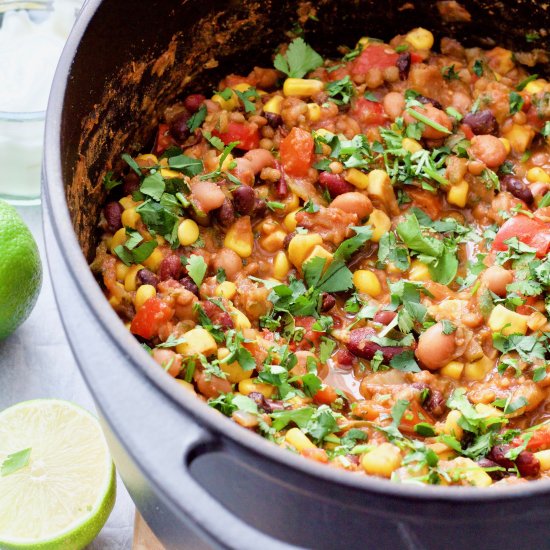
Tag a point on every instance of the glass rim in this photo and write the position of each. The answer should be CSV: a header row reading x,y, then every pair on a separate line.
x,y
22,116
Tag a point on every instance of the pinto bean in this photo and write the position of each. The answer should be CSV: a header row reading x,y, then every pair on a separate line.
x,y
259,159
489,150
243,171
353,203
167,358
229,261
497,278
170,267
146,277
244,199
208,195
394,104
435,349
435,115
517,188
482,122
361,345
335,184
211,386
113,212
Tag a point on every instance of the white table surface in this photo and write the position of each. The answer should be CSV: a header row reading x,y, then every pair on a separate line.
x,y
36,361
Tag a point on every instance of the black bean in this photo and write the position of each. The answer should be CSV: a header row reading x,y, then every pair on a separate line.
x,y
190,285
328,302
482,122
494,474
226,213
404,65
178,126
244,199
517,188
423,99
273,119
288,238
146,277
435,403
260,400
131,183
526,462
113,212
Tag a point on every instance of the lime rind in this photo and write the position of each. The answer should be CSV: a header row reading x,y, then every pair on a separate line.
x,y
63,497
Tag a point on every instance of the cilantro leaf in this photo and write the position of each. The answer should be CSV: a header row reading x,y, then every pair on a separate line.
x,y
153,186
405,362
187,165
516,102
196,267
300,59
341,91
110,183
197,119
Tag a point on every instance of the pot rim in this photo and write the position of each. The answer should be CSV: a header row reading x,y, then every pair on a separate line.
x,y
209,419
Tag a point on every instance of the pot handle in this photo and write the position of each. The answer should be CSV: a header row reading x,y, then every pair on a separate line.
x,y
222,526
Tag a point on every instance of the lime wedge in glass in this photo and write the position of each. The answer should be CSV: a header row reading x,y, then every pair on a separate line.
x,y
57,479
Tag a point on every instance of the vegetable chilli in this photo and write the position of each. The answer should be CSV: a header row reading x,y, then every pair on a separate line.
x,y
350,257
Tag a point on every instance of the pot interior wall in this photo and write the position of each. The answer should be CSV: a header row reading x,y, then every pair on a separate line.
x,y
135,58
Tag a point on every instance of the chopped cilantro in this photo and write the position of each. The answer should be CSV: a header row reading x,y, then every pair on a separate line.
x,y
516,102
341,91
196,267
197,119
300,59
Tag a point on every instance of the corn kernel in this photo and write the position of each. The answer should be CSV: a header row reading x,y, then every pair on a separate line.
x,y
240,320
154,260
274,105
380,224
241,86
537,174
535,86
118,239
249,385
130,218
143,293
281,266
302,87
168,174
544,459
520,137
314,112
235,373
420,39
186,385
268,227
298,440
121,270
453,370
506,144
458,194
411,145
227,290
130,281
451,426
146,160
419,272
469,471
241,242
381,189
382,460
320,252
292,202
367,282
488,411
477,370
290,222
227,104
188,232
127,202
197,341
274,241
357,178
301,246
362,42
506,321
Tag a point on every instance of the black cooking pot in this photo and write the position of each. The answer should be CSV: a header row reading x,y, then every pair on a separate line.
x,y
185,464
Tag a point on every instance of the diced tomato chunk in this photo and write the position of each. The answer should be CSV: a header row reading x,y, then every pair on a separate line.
x,y
540,440
296,152
245,133
530,231
376,56
369,112
414,414
150,317
325,396
164,139
310,335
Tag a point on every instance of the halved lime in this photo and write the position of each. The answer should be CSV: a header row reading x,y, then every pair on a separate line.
x,y
57,479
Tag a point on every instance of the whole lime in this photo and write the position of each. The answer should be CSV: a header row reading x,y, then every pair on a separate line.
x,y
20,270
